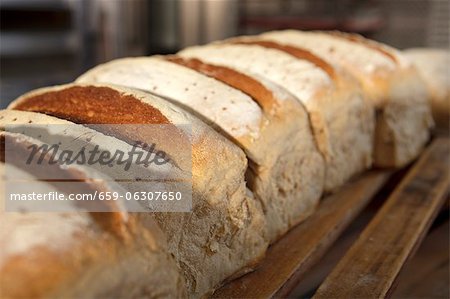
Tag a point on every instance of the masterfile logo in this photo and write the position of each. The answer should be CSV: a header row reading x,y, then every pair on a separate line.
x,y
140,167
140,154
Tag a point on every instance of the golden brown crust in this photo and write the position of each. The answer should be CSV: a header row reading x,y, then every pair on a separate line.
x,y
294,51
257,91
93,105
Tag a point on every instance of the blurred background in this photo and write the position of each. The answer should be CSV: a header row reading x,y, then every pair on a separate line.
x,y
48,42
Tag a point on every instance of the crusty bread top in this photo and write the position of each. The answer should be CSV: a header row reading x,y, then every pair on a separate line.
x,y
255,89
300,77
220,104
368,57
244,114
203,145
154,110
91,105
294,51
355,38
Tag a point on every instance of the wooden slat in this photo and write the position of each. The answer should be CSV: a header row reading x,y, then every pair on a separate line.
x,y
288,259
427,275
370,267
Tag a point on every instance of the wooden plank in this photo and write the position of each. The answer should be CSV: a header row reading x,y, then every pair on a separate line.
x,y
370,267
427,274
289,258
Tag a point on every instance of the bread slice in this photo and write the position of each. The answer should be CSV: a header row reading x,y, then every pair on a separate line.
x,y
286,170
224,234
389,81
341,120
432,64
78,254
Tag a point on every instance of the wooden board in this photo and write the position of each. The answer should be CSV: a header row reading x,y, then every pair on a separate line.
x,y
427,274
289,258
370,267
